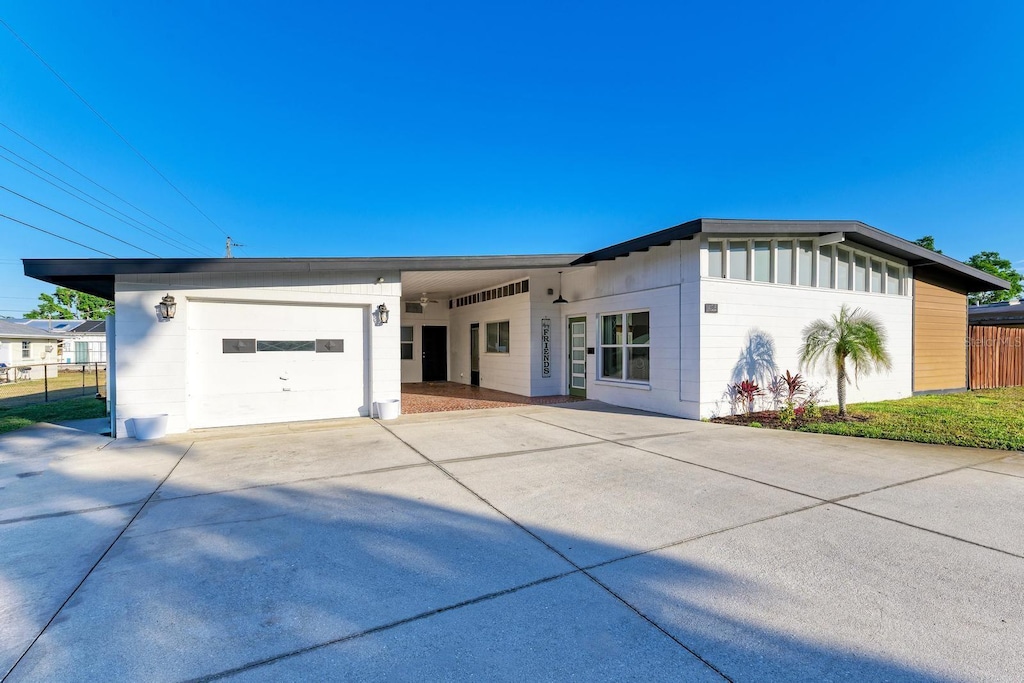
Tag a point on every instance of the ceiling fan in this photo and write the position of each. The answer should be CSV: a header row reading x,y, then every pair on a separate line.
x,y
425,299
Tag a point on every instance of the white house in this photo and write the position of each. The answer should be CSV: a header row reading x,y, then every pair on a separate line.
x,y
81,341
23,351
665,322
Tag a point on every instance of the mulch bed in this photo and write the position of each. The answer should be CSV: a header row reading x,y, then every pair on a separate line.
x,y
770,419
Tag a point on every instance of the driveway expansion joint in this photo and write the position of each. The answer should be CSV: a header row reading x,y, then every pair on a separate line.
x,y
557,552
94,566
66,513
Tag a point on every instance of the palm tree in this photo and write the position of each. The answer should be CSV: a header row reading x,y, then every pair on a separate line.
x,y
856,335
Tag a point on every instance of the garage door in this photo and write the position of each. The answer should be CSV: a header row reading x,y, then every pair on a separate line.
x,y
252,363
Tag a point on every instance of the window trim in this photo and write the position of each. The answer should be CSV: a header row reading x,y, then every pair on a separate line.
x,y
508,338
402,343
624,346
871,258
26,350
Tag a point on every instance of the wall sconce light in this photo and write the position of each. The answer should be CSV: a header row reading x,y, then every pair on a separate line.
x,y
167,307
380,280
560,299
382,314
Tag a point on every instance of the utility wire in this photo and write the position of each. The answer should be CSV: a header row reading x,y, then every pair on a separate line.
x,y
148,232
105,189
53,234
95,229
110,126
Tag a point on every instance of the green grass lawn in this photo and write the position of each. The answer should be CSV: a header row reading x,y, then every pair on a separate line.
x,y
989,418
58,411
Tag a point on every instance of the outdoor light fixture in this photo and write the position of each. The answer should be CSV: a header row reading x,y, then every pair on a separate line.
x,y
560,299
380,280
382,314
167,307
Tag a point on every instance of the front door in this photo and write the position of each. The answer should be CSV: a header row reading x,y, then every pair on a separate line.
x,y
474,354
578,357
435,353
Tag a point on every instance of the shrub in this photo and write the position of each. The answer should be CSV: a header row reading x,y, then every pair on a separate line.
x,y
788,414
747,391
756,424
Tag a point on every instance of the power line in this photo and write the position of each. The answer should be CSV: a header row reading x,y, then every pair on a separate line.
x,y
53,234
110,126
59,213
105,189
148,232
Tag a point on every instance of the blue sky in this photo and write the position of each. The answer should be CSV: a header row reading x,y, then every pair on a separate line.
x,y
338,129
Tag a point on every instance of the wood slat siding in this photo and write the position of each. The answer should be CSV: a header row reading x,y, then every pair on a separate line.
x,y
940,335
997,357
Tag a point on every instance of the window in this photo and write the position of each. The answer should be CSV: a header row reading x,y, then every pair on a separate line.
x,y
763,261
738,260
413,307
407,342
806,263
625,349
860,273
497,337
784,263
282,345
892,280
26,349
843,269
715,263
825,267
876,276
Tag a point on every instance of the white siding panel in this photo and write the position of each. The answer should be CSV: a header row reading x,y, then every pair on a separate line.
x,y
778,313
150,351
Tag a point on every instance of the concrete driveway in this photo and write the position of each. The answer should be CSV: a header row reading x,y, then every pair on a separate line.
x,y
540,543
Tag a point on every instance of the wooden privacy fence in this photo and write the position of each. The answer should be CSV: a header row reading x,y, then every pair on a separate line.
x,y
996,357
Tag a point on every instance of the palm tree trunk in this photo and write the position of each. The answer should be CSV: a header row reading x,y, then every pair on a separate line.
x,y
841,385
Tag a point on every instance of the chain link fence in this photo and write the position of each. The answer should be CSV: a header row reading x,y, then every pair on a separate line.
x,y
23,385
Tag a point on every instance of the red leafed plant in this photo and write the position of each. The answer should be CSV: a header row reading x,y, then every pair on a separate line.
x,y
747,391
795,386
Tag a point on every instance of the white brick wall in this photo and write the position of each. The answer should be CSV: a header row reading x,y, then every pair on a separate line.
x,y
151,359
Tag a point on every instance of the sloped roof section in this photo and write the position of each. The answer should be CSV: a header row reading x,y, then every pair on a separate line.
x,y
96,276
971,279
19,331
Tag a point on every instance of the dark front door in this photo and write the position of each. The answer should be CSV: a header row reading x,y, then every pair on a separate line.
x,y
435,353
474,354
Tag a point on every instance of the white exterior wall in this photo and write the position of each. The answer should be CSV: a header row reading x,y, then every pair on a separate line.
x,y
10,353
151,360
501,371
664,281
779,313
433,315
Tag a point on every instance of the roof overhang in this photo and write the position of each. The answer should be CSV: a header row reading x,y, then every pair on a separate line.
x,y
96,276
971,279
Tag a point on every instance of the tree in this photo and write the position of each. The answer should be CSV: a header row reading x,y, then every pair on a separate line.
x,y
69,304
994,264
856,335
928,242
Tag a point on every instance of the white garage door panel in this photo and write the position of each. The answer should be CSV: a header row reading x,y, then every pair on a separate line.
x,y
274,386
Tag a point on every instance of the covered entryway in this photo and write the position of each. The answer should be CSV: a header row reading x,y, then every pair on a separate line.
x,y
251,363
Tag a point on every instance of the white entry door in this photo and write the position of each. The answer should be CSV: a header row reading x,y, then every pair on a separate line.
x,y
252,363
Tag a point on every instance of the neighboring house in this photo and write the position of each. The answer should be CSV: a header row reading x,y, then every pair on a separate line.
x,y
82,341
22,346
1002,314
665,322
